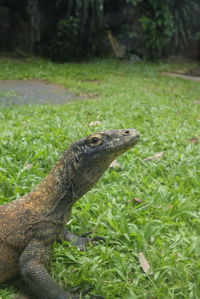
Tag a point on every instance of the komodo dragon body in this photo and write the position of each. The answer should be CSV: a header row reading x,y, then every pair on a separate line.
x,y
30,224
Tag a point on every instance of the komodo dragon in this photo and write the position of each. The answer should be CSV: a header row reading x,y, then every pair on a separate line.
x,y
30,224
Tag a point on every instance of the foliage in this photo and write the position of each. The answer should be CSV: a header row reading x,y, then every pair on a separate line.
x,y
186,15
157,29
80,31
163,27
166,26
133,2
74,29
66,45
166,226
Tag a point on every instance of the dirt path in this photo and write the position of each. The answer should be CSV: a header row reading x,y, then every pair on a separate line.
x,y
188,77
20,92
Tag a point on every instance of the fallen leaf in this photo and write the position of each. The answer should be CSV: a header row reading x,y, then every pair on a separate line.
x,y
169,207
95,123
28,166
137,200
157,156
152,239
194,139
115,165
144,264
197,102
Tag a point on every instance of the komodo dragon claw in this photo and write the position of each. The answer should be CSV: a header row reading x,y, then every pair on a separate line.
x,y
86,292
94,239
82,241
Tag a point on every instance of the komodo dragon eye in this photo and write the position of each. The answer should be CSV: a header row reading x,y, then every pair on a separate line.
x,y
94,140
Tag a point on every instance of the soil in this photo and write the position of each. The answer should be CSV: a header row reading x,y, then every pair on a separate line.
x,y
182,75
193,74
21,92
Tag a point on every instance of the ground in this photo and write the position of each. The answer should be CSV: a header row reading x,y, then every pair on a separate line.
x,y
40,91
150,206
33,91
188,74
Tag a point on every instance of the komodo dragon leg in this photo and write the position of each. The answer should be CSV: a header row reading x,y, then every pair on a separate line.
x,y
32,266
80,242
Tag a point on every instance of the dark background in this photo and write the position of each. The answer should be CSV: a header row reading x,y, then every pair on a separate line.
x,y
80,29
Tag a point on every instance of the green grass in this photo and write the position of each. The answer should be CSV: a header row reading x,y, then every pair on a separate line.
x,y
166,226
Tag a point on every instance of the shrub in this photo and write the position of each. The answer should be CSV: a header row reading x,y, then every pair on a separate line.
x,y
157,29
80,31
166,26
65,45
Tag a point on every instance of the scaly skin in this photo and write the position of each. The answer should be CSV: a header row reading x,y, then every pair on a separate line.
x,y
30,224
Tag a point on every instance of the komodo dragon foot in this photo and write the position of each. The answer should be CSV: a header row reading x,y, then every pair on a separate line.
x,y
82,241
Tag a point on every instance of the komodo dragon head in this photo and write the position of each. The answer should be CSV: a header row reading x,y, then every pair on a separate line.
x,y
108,144
92,155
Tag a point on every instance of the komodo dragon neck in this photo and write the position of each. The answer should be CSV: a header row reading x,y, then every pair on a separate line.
x,y
67,180
78,170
